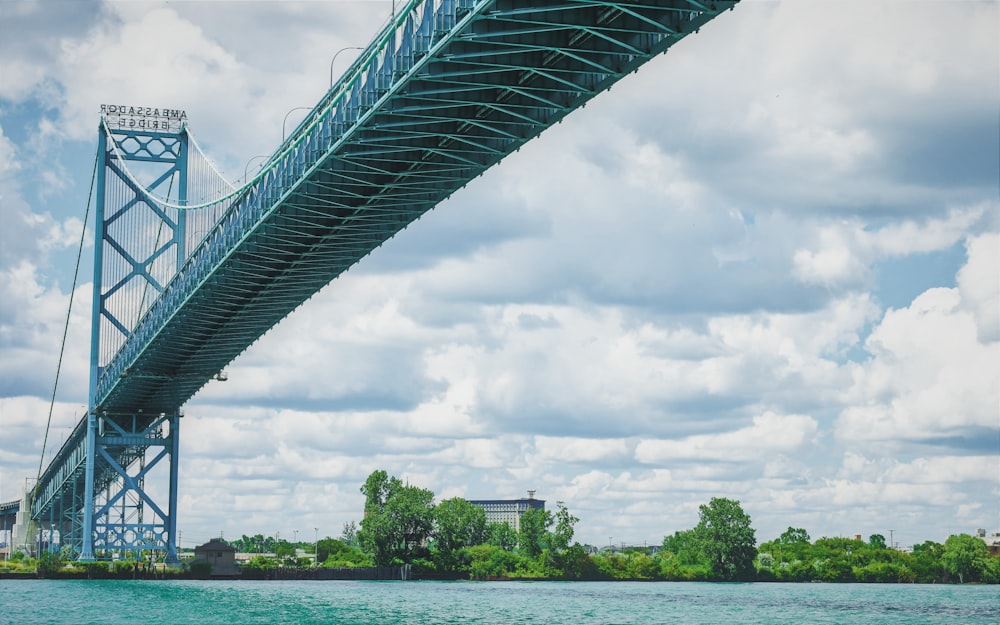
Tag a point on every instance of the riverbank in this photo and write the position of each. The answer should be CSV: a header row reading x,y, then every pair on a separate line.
x,y
118,571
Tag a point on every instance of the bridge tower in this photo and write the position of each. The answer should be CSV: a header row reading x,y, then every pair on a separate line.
x,y
139,246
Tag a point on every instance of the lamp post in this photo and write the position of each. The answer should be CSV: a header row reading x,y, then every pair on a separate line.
x,y
315,540
247,167
336,54
285,121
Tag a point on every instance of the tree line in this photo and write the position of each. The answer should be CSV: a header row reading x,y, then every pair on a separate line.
x,y
452,539
403,525
793,557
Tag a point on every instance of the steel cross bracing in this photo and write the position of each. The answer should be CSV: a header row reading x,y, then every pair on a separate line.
x,y
441,94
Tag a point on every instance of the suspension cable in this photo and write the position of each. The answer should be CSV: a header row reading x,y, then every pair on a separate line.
x,y
156,247
211,165
163,203
69,310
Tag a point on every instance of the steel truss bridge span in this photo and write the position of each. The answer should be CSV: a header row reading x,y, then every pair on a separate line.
x,y
445,91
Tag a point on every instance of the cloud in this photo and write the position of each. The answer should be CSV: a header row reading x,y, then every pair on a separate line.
x,y
30,45
845,250
103,68
769,434
930,374
32,321
24,424
804,120
979,287
563,449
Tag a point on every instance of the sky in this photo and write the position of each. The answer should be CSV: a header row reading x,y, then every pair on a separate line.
x,y
764,267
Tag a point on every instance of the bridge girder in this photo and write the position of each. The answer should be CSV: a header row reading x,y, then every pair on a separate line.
x,y
416,118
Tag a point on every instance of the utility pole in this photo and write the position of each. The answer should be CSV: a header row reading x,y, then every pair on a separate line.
x,y
891,544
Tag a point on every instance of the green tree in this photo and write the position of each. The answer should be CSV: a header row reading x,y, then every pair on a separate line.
x,y
684,547
927,561
490,561
398,518
563,533
991,574
576,563
258,543
412,512
501,535
877,541
285,552
326,546
349,535
259,562
965,556
531,536
641,566
332,552
49,564
726,538
457,524
793,544
794,536
376,535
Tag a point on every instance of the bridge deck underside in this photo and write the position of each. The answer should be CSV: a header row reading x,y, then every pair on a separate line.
x,y
502,74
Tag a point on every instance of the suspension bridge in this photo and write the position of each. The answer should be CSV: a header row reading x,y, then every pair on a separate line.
x,y
190,270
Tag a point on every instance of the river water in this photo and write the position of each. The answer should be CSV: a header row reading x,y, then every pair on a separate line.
x,y
548,603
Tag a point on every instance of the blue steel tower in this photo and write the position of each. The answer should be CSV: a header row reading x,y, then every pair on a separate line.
x,y
138,247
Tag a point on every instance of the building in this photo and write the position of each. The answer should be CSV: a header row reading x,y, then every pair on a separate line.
x,y
221,556
509,511
992,541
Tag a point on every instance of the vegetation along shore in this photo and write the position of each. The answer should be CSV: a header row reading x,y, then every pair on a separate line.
x,y
404,530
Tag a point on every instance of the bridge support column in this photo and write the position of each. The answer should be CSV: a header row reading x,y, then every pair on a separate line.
x,y
171,557
52,530
87,526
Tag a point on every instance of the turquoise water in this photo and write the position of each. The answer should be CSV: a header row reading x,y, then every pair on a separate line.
x,y
549,603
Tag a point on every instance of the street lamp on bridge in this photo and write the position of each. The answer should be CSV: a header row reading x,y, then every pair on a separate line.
x,y
285,121
247,168
336,54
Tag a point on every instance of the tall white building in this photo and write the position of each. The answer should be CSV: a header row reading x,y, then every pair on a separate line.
x,y
509,511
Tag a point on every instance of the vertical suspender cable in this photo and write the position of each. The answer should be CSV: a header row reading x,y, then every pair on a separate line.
x,y
69,310
156,248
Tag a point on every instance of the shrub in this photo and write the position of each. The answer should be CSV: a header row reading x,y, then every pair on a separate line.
x,y
200,569
48,564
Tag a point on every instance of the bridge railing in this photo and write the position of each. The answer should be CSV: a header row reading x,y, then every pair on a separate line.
x,y
383,65
63,468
